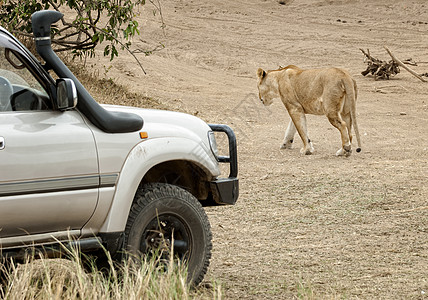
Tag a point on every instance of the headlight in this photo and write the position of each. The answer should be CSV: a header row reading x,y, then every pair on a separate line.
x,y
213,143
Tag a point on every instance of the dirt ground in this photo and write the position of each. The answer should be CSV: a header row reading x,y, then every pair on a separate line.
x,y
316,226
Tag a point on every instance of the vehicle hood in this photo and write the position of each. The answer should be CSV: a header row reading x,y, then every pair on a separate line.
x,y
163,123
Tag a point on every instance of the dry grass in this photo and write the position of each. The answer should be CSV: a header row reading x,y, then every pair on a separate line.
x,y
107,91
79,278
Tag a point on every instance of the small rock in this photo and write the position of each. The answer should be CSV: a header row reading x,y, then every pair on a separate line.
x,y
403,113
264,177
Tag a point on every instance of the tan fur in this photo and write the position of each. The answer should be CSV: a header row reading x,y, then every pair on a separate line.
x,y
330,91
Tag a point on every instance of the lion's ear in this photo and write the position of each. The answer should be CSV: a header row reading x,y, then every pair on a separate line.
x,y
261,73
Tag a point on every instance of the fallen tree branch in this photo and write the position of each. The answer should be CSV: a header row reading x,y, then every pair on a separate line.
x,y
410,61
400,63
379,68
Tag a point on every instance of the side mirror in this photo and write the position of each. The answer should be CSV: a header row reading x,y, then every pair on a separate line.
x,y
66,94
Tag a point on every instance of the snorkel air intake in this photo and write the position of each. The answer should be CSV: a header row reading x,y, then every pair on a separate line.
x,y
107,121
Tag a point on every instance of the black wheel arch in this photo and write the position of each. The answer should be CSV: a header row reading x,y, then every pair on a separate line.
x,y
185,174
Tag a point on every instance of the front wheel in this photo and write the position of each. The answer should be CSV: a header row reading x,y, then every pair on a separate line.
x,y
163,214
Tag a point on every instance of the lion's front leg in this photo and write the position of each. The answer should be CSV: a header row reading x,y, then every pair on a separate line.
x,y
299,120
289,136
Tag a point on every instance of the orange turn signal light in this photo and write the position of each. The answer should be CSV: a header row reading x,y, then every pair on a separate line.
x,y
144,135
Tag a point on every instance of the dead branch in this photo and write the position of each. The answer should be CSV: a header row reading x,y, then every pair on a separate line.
x,y
400,63
379,68
410,61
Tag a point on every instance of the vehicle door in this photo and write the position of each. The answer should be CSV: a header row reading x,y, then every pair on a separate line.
x,y
48,161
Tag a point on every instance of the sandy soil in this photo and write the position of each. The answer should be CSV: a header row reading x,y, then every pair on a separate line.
x,y
315,226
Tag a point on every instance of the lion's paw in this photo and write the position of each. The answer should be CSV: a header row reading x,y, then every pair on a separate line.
x,y
344,152
307,151
287,145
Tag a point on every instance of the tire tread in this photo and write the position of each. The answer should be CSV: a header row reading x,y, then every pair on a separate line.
x,y
152,192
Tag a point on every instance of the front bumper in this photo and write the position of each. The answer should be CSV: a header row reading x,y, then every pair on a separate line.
x,y
226,190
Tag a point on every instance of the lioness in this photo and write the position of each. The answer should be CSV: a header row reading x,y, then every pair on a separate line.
x,y
330,91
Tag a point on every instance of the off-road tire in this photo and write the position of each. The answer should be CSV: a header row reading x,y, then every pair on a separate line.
x,y
162,204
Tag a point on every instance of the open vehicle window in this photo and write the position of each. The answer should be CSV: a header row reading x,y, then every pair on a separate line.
x,y
19,89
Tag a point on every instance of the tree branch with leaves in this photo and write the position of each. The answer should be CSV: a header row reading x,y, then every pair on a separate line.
x,y
85,23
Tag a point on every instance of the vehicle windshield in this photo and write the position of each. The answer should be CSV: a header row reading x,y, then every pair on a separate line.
x,y
19,89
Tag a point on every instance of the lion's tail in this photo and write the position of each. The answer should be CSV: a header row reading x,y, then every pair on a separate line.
x,y
351,95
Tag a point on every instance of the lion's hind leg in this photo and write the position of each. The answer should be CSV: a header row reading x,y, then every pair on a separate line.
x,y
336,120
348,121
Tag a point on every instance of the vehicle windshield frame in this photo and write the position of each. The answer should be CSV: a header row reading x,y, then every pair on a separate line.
x,y
8,41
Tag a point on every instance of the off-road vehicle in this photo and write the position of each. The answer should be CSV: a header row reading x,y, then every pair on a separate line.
x,y
73,171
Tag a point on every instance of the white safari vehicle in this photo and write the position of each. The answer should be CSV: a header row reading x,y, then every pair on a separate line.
x,y
92,176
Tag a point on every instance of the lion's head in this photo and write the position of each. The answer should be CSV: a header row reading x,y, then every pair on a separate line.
x,y
268,87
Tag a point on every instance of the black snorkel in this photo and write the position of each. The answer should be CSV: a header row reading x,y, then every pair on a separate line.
x,y
107,121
